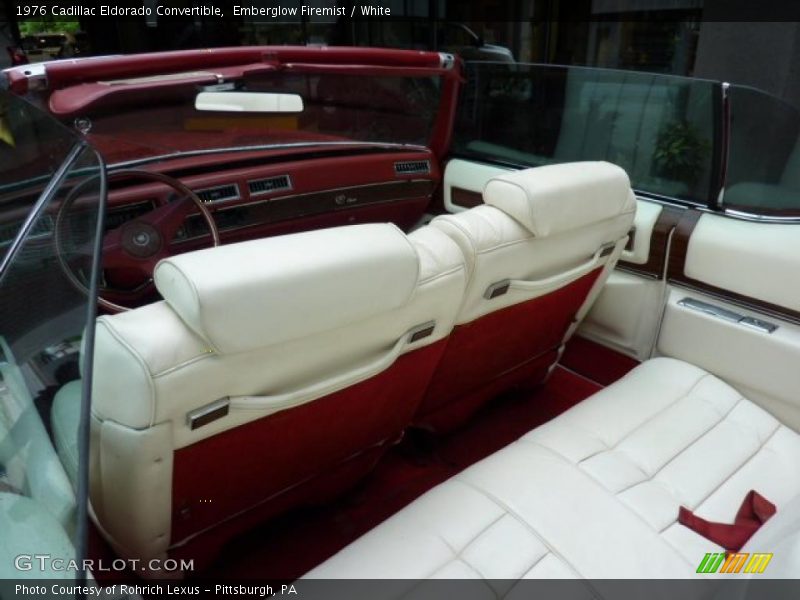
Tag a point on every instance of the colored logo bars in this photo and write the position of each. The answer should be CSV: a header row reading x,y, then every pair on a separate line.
x,y
735,562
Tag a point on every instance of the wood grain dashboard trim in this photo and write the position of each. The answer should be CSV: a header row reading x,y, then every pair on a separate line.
x,y
296,206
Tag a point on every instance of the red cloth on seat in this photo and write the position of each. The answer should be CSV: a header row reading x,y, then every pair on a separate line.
x,y
752,514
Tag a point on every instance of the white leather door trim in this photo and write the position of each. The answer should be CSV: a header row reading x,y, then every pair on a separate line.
x,y
762,366
468,175
759,260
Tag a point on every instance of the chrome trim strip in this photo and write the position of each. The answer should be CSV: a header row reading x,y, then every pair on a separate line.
x,y
725,142
446,61
728,315
208,151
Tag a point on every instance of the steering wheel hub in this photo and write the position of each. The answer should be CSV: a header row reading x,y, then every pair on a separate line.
x,y
141,240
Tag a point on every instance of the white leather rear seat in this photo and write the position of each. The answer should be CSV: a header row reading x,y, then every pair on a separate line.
x,y
595,492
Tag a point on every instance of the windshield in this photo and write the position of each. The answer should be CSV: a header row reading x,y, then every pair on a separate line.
x,y
48,233
336,108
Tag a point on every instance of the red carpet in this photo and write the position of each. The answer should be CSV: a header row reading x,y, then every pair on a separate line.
x,y
292,545
596,362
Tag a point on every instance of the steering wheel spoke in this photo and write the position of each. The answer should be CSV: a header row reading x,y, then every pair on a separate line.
x,y
168,218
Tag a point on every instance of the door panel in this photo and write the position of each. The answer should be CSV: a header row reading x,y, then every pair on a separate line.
x,y
627,312
464,181
753,263
752,270
763,366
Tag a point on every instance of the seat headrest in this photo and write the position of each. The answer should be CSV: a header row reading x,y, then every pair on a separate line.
x,y
254,294
557,198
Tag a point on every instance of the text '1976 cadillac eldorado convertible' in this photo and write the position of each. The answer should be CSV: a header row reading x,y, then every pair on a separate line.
x,y
293,313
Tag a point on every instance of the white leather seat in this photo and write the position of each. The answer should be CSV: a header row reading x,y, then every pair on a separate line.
x,y
595,492
537,252
315,350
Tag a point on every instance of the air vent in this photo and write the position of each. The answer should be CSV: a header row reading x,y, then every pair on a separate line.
x,y
271,184
219,194
412,167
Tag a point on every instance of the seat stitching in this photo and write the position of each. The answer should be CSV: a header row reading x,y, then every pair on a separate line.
x,y
606,446
456,554
601,486
420,582
437,276
138,358
512,513
537,561
691,443
660,412
761,447
740,467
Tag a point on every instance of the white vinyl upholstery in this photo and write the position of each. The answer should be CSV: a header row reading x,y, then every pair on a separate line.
x,y
537,252
559,198
595,493
166,369
538,223
259,302
256,321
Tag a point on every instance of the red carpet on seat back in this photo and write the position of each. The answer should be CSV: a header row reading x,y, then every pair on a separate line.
x,y
294,544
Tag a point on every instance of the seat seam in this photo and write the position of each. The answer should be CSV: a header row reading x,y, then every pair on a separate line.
x,y
148,376
437,276
625,505
740,467
456,554
512,513
658,413
761,447
701,435
606,446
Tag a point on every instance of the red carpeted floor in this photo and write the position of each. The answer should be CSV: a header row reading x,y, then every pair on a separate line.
x,y
294,544
596,362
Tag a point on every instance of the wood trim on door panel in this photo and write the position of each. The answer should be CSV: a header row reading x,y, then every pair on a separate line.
x,y
465,198
657,257
676,274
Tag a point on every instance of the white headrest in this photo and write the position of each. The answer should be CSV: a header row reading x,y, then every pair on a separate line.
x,y
254,294
557,198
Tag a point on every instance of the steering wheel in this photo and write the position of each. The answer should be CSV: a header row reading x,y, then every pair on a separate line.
x,y
136,245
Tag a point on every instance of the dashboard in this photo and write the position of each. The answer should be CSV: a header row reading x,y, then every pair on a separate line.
x,y
252,197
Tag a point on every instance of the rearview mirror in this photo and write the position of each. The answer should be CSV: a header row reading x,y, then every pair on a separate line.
x,y
257,102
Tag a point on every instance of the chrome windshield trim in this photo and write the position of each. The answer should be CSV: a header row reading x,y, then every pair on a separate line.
x,y
209,151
